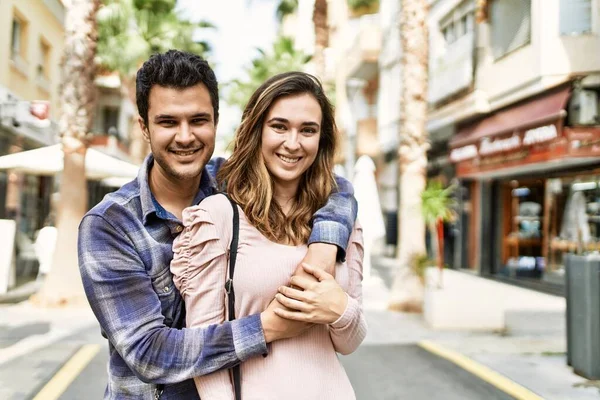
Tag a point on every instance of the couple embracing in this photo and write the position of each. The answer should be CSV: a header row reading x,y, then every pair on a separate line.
x,y
236,279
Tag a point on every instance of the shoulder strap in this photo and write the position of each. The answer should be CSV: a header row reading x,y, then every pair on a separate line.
x,y
235,233
232,257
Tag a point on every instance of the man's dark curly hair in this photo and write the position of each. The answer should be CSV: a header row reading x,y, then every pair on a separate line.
x,y
174,69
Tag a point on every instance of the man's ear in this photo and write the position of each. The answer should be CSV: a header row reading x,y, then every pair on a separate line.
x,y
144,129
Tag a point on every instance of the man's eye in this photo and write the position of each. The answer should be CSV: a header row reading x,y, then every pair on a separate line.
x,y
167,122
199,121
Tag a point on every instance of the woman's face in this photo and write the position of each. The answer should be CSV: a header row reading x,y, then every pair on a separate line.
x,y
290,138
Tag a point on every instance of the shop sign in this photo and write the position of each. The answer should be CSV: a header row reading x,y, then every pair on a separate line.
x,y
584,141
540,135
489,147
463,153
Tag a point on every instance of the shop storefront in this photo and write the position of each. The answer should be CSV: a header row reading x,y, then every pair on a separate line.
x,y
530,191
26,200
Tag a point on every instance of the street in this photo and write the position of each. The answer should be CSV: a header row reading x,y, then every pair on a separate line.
x,y
377,371
59,353
385,372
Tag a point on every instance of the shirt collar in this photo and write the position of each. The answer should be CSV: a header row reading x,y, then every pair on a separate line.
x,y
151,206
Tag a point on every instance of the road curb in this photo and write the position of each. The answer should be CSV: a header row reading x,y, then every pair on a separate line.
x,y
481,371
60,381
32,343
21,293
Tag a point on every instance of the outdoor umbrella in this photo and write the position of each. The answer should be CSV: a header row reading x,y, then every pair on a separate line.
x,y
49,161
369,207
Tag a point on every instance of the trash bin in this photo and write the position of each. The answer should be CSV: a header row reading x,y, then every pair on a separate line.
x,y
583,314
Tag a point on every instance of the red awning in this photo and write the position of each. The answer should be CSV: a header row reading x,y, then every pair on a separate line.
x,y
540,110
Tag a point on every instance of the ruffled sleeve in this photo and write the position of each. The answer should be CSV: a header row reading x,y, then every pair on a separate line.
x,y
195,272
199,270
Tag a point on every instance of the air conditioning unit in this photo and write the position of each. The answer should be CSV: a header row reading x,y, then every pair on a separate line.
x,y
584,108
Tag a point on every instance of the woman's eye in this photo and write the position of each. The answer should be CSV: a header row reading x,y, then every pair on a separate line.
x,y
278,127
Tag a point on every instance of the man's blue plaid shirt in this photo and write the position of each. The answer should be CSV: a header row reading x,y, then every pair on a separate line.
x,y
125,250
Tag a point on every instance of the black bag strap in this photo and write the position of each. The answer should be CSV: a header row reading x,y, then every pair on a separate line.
x,y
237,375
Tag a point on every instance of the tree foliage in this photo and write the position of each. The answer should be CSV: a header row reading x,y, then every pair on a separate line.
x,y
286,7
282,57
438,203
130,31
357,5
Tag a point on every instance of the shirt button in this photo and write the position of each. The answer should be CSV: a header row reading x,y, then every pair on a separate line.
x,y
166,289
179,228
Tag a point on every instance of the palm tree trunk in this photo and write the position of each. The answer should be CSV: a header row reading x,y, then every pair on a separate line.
x,y
439,233
413,142
63,283
433,235
138,147
321,37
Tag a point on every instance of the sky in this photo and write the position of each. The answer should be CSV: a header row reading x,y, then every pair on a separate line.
x,y
242,26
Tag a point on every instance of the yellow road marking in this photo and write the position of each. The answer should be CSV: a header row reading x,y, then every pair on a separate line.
x,y
67,374
492,377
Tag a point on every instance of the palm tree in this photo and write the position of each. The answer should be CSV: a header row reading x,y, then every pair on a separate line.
x,y
363,6
63,284
130,31
438,206
413,139
319,19
286,7
282,57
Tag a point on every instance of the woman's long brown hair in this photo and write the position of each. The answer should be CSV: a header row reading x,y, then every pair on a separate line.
x,y
247,180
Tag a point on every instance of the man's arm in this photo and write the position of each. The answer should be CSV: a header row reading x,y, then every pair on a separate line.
x,y
332,226
128,309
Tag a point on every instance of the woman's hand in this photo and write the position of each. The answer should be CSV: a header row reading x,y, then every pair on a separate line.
x,y
321,302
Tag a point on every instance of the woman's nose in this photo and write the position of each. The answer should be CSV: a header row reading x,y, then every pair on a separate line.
x,y
291,141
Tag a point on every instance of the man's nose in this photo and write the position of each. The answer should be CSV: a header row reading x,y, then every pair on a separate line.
x,y
184,134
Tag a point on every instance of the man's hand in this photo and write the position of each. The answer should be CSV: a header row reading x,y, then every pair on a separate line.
x,y
321,302
276,327
321,255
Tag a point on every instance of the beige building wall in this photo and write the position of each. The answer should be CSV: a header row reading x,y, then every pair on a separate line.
x,y
33,73
550,58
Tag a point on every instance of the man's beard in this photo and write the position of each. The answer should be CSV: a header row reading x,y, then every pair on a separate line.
x,y
178,175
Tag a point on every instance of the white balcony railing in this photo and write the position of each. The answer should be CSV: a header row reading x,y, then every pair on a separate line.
x,y
364,46
451,70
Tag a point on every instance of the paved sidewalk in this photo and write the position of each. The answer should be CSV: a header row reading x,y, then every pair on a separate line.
x,y
25,328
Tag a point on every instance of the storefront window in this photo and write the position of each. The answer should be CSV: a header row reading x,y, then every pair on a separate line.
x,y
545,219
575,218
522,250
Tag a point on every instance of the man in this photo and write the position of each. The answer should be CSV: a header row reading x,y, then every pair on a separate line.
x,y
125,245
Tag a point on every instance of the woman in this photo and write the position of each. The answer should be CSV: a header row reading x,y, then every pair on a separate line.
x,y
279,174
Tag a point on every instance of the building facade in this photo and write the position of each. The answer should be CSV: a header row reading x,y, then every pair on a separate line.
x,y
31,45
514,119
